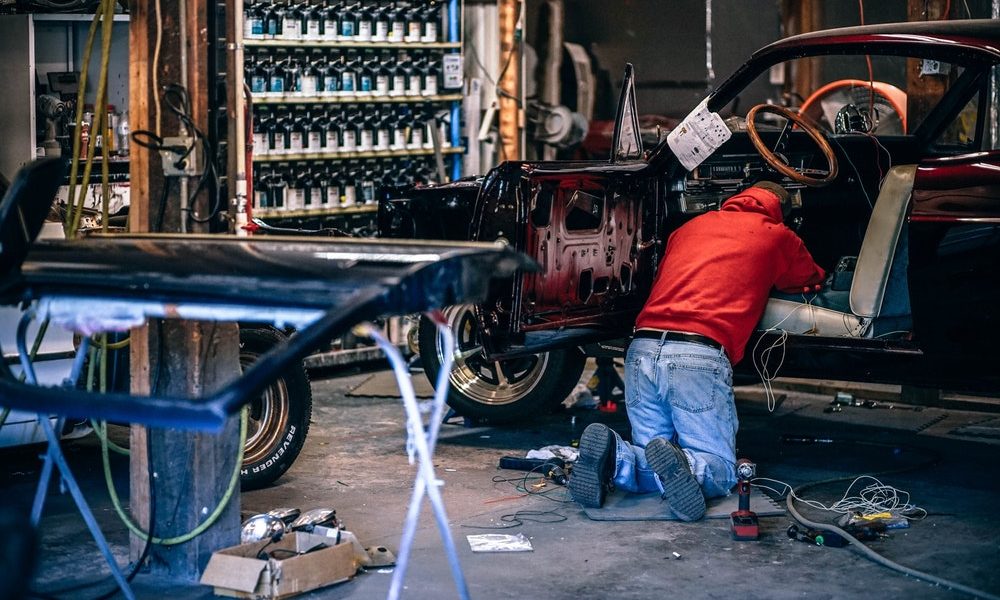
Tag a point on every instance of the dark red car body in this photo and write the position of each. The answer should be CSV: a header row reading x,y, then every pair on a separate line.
x,y
597,229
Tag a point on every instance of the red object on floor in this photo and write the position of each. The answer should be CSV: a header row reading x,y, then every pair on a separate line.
x,y
608,406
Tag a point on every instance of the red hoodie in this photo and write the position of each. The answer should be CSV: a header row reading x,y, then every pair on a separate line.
x,y
719,269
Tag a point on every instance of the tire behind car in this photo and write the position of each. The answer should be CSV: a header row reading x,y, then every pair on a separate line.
x,y
284,409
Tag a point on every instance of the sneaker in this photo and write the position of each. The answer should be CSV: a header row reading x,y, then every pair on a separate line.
x,y
680,488
591,478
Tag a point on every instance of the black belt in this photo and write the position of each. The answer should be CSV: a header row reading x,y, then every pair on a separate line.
x,y
676,336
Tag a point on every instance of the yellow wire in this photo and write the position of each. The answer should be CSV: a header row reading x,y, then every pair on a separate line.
x,y
100,105
208,522
81,97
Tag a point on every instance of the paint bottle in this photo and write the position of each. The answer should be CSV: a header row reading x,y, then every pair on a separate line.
x,y
309,81
365,24
349,76
312,22
431,18
397,23
348,22
414,24
382,23
381,67
253,22
331,143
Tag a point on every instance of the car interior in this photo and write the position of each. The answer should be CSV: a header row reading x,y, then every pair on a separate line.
x,y
854,225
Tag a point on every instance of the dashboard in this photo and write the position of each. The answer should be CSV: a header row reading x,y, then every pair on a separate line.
x,y
711,183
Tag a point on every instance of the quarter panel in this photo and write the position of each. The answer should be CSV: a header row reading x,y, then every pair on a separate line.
x,y
954,253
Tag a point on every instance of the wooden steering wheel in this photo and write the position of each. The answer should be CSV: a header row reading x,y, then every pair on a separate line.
x,y
780,165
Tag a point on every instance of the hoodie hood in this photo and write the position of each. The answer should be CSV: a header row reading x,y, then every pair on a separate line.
x,y
756,200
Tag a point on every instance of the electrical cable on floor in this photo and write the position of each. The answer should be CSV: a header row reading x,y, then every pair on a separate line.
x,y
870,554
517,518
875,498
521,485
855,544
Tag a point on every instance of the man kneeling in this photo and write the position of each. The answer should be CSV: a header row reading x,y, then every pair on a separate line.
x,y
710,291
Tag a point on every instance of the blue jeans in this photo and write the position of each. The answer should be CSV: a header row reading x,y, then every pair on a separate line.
x,y
683,392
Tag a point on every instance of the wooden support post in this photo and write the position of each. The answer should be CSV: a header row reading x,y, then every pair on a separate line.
x,y
800,16
192,471
511,114
924,87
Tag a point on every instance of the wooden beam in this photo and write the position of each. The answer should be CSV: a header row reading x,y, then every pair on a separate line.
x,y
801,16
176,358
141,175
923,89
511,115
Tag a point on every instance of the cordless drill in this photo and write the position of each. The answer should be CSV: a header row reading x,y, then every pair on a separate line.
x,y
744,521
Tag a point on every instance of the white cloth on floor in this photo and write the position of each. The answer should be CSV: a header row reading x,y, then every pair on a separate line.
x,y
566,453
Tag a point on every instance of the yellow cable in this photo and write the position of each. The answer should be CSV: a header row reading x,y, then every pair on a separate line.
x,y
208,522
100,105
81,98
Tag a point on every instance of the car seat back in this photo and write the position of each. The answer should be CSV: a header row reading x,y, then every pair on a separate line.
x,y
878,250
878,300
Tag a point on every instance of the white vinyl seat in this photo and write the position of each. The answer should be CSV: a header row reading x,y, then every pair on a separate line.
x,y
878,269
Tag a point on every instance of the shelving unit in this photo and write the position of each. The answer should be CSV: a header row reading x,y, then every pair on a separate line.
x,y
317,212
351,45
34,46
42,17
299,157
261,99
341,119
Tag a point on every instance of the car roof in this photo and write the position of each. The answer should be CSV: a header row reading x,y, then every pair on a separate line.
x,y
978,34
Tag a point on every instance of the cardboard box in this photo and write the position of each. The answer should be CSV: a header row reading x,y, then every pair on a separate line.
x,y
238,573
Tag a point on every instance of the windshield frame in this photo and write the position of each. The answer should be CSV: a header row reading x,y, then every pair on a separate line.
x,y
975,58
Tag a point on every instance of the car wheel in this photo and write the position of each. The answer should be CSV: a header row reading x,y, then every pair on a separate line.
x,y
278,419
497,391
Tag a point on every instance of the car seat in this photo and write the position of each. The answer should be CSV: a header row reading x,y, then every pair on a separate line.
x,y
877,302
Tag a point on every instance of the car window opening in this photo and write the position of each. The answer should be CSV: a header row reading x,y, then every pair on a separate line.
x,y
585,289
584,211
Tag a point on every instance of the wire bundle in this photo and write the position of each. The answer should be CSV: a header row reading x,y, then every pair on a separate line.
x,y
875,497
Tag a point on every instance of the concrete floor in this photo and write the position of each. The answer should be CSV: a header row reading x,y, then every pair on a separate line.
x,y
354,461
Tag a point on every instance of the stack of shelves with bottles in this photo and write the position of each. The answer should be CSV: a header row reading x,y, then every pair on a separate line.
x,y
351,102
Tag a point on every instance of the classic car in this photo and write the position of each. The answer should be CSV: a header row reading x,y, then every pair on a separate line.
x,y
890,157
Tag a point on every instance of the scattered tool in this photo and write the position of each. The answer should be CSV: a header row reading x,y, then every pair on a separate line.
x,y
744,521
604,382
843,399
820,538
552,468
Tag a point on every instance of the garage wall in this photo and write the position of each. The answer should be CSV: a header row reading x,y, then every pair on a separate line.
x,y
667,43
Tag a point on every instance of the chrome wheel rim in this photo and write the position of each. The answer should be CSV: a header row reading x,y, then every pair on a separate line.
x,y
494,383
267,418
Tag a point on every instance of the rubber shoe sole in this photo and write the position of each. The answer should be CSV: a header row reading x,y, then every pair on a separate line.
x,y
591,477
680,489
